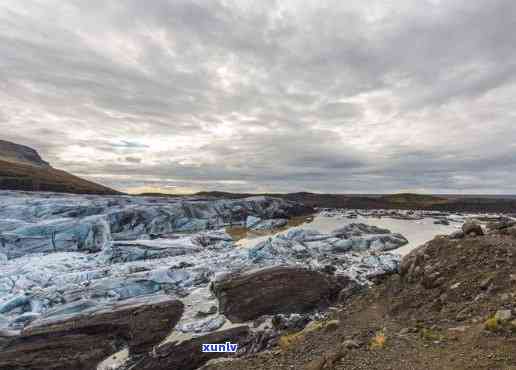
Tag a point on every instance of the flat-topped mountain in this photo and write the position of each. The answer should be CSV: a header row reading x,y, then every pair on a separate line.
x,y
22,168
410,198
461,203
16,153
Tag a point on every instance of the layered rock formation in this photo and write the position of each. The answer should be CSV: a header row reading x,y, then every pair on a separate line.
x,y
280,289
188,354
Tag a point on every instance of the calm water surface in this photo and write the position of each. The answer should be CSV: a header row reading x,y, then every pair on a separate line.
x,y
417,232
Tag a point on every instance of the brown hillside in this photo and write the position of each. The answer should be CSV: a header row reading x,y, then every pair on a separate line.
x,y
19,176
451,307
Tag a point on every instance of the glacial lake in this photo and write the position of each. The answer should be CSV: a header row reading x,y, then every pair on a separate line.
x,y
417,232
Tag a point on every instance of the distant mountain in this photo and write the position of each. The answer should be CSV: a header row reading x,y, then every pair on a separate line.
x,y
222,194
450,202
22,168
162,195
16,153
410,198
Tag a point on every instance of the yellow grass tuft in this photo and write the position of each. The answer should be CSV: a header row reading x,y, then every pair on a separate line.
x,y
289,341
492,324
378,341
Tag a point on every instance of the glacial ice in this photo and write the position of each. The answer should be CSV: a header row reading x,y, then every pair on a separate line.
x,y
63,254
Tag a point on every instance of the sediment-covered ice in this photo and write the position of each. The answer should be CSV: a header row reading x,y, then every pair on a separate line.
x,y
62,254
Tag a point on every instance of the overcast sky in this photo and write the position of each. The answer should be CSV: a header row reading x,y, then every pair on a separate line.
x,y
287,95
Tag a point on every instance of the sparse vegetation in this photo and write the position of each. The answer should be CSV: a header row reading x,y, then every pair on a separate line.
x,y
288,341
497,323
492,324
431,335
378,341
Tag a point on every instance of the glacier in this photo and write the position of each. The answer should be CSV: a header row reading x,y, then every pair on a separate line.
x,y
61,255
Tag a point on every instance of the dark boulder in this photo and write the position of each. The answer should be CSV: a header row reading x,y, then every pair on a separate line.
x,y
413,264
456,235
274,290
472,228
81,341
188,355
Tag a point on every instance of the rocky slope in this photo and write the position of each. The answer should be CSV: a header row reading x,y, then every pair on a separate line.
x,y
21,168
452,306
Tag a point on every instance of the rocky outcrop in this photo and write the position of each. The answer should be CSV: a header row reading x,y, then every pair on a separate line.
x,y
459,234
472,228
274,290
13,152
412,265
82,341
465,280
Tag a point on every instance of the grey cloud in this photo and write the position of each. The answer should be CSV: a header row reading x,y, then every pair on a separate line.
x,y
129,144
133,159
265,96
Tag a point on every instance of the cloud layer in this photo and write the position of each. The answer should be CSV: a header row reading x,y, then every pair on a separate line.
x,y
290,95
